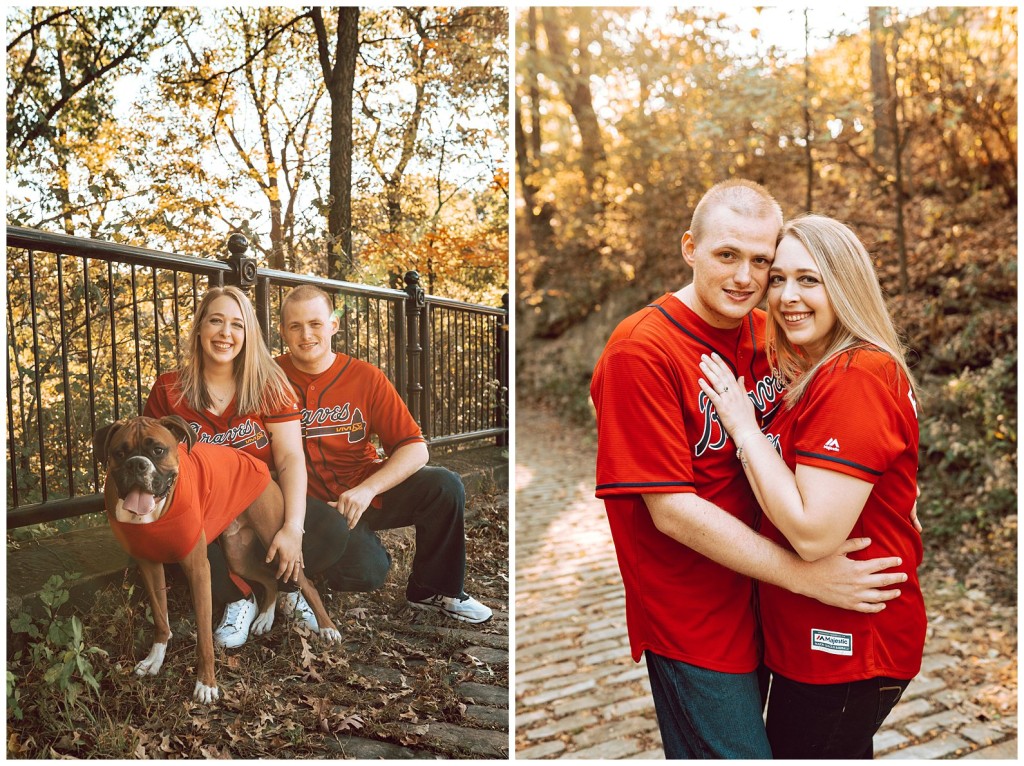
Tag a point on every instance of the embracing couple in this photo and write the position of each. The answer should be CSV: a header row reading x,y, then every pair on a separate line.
x,y
759,473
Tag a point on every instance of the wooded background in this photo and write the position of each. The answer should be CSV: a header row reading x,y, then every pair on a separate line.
x,y
346,142
905,129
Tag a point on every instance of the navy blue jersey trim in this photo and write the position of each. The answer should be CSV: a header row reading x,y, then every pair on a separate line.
x,y
753,346
833,459
642,484
406,440
701,341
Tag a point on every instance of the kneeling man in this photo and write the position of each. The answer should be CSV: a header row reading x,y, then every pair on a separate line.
x,y
344,402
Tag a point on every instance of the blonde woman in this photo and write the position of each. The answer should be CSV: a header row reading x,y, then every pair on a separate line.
x,y
839,461
231,392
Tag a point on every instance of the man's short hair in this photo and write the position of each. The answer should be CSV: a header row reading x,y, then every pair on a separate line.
x,y
739,195
305,293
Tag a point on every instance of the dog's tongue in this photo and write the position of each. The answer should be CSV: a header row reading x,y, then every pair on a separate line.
x,y
138,502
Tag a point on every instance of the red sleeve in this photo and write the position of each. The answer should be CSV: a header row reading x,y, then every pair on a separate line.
x,y
853,420
642,444
390,417
158,404
284,414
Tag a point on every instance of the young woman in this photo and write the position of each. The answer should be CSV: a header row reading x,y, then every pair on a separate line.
x,y
232,392
839,461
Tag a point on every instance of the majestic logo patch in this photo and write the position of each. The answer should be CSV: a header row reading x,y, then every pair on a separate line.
x,y
831,642
832,445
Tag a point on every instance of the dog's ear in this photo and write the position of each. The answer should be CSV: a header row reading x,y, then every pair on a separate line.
x,y
177,426
101,440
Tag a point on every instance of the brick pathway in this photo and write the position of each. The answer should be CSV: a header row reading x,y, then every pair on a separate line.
x,y
578,692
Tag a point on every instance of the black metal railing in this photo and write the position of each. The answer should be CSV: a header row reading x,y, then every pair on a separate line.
x,y
91,324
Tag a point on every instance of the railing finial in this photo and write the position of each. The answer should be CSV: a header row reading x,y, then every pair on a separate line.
x,y
413,288
245,265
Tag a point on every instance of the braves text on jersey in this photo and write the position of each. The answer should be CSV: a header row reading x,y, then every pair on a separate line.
x,y
659,433
857,417
244,432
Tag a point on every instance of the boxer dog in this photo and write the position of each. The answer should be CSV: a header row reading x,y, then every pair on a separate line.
x,y
166,500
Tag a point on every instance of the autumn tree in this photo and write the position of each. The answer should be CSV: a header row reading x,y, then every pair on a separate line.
x,y
339,77
448,64
881,86
60,59
256,100
60,64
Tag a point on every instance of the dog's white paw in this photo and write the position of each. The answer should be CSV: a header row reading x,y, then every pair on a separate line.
x,y
205,694
331,635
152,664
264,621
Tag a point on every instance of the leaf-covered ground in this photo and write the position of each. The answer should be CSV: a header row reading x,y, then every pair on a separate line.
x,y
971,593
285,695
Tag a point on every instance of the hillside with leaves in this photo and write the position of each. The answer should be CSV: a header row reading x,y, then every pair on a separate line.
x,y
904,128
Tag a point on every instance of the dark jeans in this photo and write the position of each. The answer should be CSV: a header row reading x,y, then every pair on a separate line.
x,y
324,541
829,721
433,501
706,714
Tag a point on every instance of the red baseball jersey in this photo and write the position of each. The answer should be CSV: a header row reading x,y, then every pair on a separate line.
x,y
243,432
858,417
658,433
342,408
215,484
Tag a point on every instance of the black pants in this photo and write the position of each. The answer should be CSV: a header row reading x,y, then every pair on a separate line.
x,y
433,501
828,721
324,542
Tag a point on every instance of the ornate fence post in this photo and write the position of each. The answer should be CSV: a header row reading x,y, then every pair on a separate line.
x,y
501,404
415,304
244,275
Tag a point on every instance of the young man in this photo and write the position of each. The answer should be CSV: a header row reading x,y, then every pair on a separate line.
x,y
680,509
344,402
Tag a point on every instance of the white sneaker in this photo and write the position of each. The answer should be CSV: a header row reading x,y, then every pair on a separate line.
x,y
466,609
234,626
294,606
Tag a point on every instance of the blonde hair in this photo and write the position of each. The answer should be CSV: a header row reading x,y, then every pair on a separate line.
x,y
851,285
260,385
743,197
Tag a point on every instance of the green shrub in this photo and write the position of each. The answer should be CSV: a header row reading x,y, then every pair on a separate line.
x,y
969,444
56,650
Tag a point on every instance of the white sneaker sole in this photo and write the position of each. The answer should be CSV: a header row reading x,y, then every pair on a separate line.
x,y
448,613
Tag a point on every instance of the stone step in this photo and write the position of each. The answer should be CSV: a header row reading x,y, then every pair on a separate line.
x,y
479,743
371,749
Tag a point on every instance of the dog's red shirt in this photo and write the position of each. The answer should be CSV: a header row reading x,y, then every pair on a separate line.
x,y
215,484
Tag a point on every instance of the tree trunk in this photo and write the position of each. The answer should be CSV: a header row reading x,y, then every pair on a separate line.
x,y
528,149
899,144
808,127
339,79
575,85
881,90
538,220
